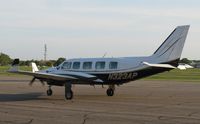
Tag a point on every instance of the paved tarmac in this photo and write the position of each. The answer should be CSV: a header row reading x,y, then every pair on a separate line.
x,y
139,102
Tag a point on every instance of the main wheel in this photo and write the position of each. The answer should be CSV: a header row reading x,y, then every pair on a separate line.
x,y
110,92
69,95
49,92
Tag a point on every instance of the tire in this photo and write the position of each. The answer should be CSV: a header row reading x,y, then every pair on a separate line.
x,y
69,95
49,92
110,92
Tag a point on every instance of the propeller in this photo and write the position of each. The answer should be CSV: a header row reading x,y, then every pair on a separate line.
x,y
33,80
42,82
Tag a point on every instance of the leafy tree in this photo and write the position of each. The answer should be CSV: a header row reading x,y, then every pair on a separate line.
x,y
48,63
186,61
4,59
59,61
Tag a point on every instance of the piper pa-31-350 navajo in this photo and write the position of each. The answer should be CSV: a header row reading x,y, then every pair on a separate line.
x,y
110,71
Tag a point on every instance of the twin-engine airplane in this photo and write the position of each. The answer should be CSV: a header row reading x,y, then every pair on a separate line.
x,y
110,71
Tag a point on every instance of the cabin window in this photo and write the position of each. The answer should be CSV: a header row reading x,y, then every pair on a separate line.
x,y
76,65
66,65
113,65
87,65
100,65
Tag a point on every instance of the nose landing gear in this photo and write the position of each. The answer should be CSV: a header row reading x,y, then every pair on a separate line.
x,y
68,91
49,91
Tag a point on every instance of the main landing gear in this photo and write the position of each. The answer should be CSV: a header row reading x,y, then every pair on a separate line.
x,y
49,91
68,91
111,90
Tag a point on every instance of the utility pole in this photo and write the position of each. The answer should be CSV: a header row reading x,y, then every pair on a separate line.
x,y
45,52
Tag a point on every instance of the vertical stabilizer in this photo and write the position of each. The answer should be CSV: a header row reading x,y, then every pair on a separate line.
x,y
171,49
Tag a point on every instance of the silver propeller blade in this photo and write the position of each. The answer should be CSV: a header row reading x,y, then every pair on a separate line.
x,y
42,82
33,80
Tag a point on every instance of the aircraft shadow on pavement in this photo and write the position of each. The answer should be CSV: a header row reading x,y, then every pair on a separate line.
x,y
19,97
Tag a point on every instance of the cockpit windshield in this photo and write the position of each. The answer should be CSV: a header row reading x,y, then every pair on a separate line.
x,y
66,65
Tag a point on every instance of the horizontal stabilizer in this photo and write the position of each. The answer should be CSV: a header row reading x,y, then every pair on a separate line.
x,y
159,65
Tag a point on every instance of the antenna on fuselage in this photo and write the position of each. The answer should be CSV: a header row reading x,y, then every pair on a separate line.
x,y
104,55
45,52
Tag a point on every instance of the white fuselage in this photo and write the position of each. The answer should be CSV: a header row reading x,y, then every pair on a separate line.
x,y
123,64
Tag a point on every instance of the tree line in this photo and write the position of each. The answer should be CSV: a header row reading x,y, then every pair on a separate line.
x,y
5,60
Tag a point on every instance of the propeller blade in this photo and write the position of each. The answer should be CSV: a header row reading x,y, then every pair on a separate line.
x,y
32,81
42,82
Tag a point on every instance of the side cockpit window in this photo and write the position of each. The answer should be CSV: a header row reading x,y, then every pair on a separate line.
x,y
76,65
87,65
66,65
113,65
100,65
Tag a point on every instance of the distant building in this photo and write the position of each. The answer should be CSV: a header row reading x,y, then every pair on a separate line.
x,y
183,66
197,65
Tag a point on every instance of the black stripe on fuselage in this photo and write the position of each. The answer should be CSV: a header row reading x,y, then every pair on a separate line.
x,y
120,78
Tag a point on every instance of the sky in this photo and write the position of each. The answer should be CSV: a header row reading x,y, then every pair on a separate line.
x,y
92,28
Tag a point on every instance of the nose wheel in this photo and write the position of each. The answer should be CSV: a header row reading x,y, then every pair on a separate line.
x,y
111,90
49,91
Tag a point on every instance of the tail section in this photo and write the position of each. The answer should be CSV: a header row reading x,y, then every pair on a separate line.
x,y
171,49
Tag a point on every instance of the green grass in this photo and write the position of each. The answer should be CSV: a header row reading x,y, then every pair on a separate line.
x,y
176,74
4,69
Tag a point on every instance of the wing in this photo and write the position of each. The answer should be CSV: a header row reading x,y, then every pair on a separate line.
x,y
60,76
53,74
45,75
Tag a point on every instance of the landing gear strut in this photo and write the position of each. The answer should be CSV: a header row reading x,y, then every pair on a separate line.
x,y
111,90
49,91
68,91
